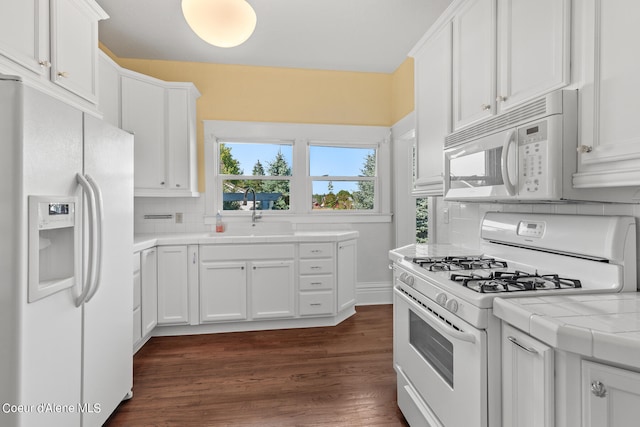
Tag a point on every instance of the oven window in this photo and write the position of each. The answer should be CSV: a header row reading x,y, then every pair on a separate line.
x,y
435,348
481,169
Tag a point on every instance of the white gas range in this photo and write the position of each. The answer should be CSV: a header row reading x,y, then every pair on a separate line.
x,y
446,339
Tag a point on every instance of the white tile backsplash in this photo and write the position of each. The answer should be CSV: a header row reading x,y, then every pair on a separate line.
x,y
191,208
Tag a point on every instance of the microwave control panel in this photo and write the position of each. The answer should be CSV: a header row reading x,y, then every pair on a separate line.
x,y
532,147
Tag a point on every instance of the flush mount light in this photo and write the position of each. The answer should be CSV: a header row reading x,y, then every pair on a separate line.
x,y
222,23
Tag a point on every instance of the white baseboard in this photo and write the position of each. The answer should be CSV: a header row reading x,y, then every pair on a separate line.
x,y
372,293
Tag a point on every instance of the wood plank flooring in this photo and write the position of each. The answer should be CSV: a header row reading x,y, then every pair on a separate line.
x,y
335,376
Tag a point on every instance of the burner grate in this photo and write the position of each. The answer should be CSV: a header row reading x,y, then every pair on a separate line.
x,y
453,263
514,281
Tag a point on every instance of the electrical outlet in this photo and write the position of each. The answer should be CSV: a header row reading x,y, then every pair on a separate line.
x,y
178,217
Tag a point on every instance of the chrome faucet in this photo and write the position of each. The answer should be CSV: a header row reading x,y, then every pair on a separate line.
x,y
244,202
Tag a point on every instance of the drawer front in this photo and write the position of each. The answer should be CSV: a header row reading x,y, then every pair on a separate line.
x,y
246,252
316,250
316,303
136,262
316,283
316,266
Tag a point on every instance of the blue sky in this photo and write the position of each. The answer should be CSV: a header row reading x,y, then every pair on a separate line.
x,y
324,161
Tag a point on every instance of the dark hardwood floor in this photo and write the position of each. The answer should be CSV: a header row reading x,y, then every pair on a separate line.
x,y
335,376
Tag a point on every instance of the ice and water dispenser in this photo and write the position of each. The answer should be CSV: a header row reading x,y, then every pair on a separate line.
x,y
54,245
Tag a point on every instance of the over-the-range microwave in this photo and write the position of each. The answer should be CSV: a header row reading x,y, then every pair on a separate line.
x,y
526,154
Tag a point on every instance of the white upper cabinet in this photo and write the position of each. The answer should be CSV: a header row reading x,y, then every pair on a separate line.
x,y
474,63
609,138
162,117
432,63
533,49
54,45
506,52
109,89
24,34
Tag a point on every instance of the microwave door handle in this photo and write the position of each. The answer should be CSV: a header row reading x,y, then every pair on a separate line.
x,y
510,187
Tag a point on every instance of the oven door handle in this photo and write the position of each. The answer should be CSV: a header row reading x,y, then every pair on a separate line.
x,y
436,322
508,185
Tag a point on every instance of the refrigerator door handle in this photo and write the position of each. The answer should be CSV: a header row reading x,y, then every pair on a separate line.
x,y
99,217
88,191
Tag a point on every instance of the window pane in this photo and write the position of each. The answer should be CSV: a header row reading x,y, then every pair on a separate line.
x,y
270,194
246,158
422,220
334,195
341,161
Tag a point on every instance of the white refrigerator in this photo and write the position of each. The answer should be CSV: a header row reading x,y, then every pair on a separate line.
x,y
65,297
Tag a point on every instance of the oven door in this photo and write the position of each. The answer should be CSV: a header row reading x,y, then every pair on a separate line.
x,y
483,169
444,360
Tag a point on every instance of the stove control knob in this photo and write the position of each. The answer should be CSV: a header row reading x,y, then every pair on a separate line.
x,y
403,277
441,299
452,305
409,280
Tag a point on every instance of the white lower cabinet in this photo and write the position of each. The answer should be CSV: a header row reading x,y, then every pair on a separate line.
x,y
527,380
236,280
272,289
173,285
149,290
346,278
137,309
610,396
223,291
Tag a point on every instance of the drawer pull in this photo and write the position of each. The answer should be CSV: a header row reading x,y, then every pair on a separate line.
x,y
315,304
315,267
525,348
316,251
316,283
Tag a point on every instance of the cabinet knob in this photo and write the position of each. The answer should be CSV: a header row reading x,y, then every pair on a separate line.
x,y
162,183
585,149
63,74
177,185
485,107
44,63
501,98
598,389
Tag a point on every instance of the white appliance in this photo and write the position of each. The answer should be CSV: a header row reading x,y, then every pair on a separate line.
x,y
446,339
65,255
526,154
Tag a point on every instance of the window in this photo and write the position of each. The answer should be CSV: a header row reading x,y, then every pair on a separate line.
x,y
298,170
264,168
342,178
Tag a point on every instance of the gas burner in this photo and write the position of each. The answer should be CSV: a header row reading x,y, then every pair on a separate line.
x,y
513,281
452,263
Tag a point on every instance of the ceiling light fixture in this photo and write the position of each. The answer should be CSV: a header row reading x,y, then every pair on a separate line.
x,y
222,23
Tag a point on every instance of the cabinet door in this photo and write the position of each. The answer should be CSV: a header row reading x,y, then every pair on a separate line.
x,y
24,34
610,396
346,277
178,139
74,47
533,49
433,109
272,289
527,380
149,303
610,154
109,90
143,115
137,312
474,62
173,289
223,291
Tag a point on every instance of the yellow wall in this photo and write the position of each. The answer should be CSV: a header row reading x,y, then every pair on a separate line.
x,y
402,95
269,94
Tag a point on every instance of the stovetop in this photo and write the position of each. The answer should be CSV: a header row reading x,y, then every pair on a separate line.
x,y
485,274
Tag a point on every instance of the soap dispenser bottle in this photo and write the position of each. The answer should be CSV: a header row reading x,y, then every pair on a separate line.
x,y
219,224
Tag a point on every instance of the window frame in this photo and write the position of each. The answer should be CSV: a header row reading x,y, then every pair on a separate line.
x,y
301,136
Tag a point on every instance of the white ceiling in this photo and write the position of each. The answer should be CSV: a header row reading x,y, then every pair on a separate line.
x,y
348,35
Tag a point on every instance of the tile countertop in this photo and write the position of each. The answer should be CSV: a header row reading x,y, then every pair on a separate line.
x,y
603,326
145,241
